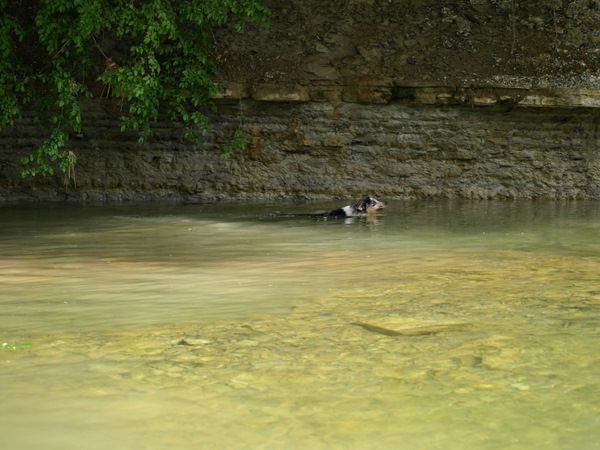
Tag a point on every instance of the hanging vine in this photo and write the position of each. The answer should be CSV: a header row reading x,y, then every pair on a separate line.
x,y
153,55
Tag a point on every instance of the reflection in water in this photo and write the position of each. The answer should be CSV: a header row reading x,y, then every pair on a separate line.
x,y
437,325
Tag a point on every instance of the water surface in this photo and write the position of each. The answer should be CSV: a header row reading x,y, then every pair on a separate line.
x,y
435,325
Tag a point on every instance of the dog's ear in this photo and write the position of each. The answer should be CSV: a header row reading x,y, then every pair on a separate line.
x,y
361,205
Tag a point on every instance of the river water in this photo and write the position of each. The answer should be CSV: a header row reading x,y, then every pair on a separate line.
x,y
434,325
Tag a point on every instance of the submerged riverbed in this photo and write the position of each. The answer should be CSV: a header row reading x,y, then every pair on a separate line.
x,y
435,325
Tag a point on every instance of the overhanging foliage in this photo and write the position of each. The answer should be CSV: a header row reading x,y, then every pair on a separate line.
x,y
152,54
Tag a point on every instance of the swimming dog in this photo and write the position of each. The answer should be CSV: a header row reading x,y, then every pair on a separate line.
x,y
364,206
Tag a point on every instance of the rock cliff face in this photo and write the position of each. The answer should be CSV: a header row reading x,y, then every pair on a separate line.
x,y
511,43
316,149
470,98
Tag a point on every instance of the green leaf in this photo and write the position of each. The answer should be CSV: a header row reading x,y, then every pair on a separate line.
x,y
151,55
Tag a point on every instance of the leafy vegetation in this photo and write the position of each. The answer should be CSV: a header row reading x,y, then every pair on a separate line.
x,y
153,55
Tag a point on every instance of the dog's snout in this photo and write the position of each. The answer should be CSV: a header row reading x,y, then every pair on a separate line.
x,y
379,204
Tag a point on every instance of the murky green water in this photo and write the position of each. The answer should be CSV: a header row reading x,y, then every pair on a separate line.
x,y
438,325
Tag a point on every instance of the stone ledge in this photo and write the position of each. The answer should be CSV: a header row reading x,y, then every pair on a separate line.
x,y
415,95
487,96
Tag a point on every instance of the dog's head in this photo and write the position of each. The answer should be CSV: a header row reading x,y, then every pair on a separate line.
x,y
368,205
